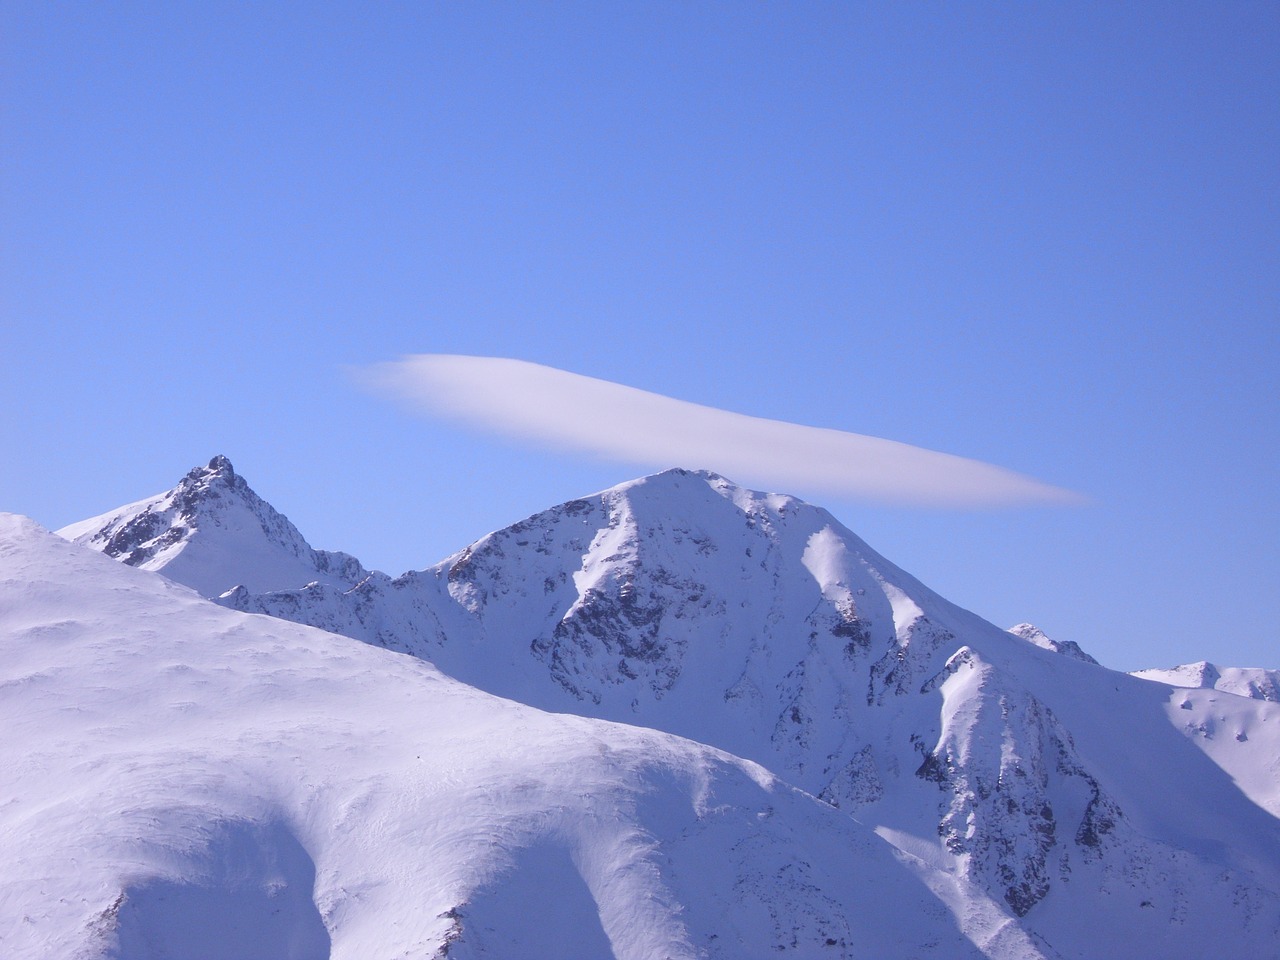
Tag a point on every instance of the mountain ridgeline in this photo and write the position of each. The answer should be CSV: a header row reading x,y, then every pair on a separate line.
x,y
1054,790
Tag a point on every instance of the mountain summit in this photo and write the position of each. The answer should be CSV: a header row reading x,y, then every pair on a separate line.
x,y
212,532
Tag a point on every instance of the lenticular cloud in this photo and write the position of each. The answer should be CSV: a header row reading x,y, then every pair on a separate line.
x,y
546,406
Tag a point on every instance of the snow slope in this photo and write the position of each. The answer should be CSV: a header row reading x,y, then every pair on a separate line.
x,y
1018,767
186,781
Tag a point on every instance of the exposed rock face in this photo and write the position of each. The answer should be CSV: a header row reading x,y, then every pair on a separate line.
x,y
999,815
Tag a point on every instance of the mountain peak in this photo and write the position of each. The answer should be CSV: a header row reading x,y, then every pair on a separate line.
x,y
707,475
1034,635
202,489
680,488
212,532
221,465
673,478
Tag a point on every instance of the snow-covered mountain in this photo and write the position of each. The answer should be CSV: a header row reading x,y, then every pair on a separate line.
x,y
185,781
212,532
1043,787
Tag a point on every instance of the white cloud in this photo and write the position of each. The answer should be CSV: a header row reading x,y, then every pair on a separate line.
x,y
551,407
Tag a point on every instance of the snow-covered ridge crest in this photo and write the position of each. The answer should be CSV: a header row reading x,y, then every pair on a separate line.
x,y
212,532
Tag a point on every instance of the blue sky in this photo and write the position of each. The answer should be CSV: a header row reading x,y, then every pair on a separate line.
x,y
1041,236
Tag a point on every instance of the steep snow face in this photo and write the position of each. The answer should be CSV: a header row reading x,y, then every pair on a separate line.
x,y
212,532
1253,682
182,780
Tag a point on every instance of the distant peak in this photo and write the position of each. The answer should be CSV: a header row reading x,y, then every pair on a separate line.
x,y
673,473
669,479
221,464
1034,635
700,474
681,485
1029,631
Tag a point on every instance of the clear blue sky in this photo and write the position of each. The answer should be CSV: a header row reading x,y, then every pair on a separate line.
x,y
1040,235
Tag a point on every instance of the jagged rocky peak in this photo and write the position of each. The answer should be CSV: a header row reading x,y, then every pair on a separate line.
x,y
203,487
142,531
1034,635
212,532
218,469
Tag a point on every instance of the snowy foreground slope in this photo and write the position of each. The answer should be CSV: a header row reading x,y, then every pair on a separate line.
x,y
1076,810
182,781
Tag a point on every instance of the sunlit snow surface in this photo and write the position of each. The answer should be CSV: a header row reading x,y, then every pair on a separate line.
x,y
185,781
981,789
1252,682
